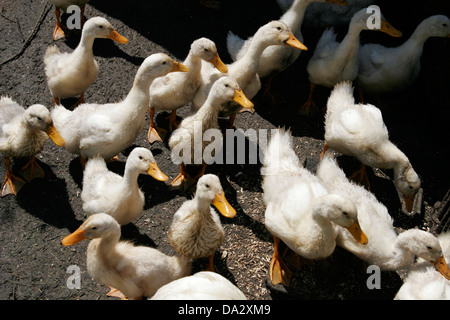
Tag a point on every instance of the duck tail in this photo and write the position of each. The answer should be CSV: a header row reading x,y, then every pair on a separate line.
x,y
234,45
97,164
51,51
328,170
279,156
342,94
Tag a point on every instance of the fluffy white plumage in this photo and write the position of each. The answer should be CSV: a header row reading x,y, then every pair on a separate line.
x,y
119,196
71,74
245,69
107,129
136,271
204,285
423,281
383,69
386,248
358,130
300,211
196,230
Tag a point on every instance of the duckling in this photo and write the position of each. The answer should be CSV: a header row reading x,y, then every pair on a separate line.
x,y
178,89
383,69
275,59
333,61
196,231
300,212
119,196
70,74
132,272
107,129
423,281
386,249
206,118
245,70
62,5
23,133
358,130
204,285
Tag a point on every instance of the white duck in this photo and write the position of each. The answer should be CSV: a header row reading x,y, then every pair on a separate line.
x,y
358,130
276,58
300,212
245,69
386,249
423,281
119,196
71,74
383,69
320,15
107,129
204,285
23,133
62,5
178,89
333,61
196,231
130,271
183,140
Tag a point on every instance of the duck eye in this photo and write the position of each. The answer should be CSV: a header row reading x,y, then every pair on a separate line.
x,y
227,86
206,49
429,248
207,186
279,28
100,26
345,213
164,63
94,228
444,25
140,158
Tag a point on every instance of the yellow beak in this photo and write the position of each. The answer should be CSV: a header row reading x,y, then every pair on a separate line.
x,y
55,136
114,35
221,203
240,98
386,27
74,237
177,66
442,267
295,43
157,174
357,233
219,64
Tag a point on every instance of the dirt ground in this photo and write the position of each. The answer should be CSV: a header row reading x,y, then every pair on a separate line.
x,y
33,263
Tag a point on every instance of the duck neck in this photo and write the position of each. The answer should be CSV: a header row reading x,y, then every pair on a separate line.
x,y
139,95
414,45
194,64
106,244
293,17
350,44
209,111
84,48
130,178
392,157
202,205
249,62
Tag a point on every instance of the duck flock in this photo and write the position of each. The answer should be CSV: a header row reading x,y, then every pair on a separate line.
x,y
308,213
